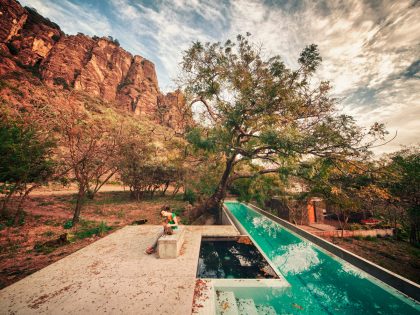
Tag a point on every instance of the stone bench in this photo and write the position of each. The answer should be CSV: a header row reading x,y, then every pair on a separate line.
x,y
169,246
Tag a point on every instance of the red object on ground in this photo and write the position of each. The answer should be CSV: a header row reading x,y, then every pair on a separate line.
x,y
370,221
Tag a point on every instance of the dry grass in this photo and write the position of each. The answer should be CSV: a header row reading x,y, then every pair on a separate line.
x,y
398,256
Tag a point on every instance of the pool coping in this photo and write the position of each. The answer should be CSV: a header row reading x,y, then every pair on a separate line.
x,y
405,286
243,231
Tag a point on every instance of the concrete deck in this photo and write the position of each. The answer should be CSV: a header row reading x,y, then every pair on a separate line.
x,y
114,276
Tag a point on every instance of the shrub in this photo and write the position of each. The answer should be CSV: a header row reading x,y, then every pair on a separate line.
x,y
48,233
68,224
88,229
190,196
39,248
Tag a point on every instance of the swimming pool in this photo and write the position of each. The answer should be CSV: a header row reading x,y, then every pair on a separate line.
x,y
321,283
232,258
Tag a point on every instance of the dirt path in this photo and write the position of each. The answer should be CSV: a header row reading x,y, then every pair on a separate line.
x,y
59,190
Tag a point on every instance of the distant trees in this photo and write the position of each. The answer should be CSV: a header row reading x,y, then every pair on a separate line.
x,y
256,111
347,186
388,188
403,181
148,163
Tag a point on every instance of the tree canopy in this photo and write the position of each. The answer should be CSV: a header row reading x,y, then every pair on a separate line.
x,y
257,111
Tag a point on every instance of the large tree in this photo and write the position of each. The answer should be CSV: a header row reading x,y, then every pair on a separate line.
x,y
89,146
257,111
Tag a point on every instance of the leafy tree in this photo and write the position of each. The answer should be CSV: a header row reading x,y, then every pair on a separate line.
x,y
256,111
150,159
403,182
89,145
26,162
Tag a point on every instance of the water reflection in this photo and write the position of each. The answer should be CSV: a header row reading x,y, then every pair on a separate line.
x,y
296,258
231,259
319,283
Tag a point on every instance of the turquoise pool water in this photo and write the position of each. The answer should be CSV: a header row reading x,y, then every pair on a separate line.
x,y
320,282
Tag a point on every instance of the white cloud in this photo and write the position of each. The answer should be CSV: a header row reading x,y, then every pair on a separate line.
x,y
72,18
366,46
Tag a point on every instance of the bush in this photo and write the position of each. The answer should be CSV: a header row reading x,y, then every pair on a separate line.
x,y
88,229
40,248
190,196
371,238
68,224
103,228
48,233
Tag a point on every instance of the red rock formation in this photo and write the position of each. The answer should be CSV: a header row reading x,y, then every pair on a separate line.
x,y
106,68
66,60
12,17
28,35
139,90
173,112
98,66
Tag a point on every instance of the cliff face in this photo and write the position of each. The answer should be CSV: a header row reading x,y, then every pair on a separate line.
x,y
98,66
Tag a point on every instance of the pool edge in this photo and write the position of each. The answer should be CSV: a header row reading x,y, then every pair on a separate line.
x,y
405,286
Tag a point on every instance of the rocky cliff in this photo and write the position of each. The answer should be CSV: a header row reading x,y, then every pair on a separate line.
x,y
98,66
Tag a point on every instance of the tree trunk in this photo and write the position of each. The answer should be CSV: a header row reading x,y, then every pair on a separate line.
x,y
79,204
214,203
178,186
5,201
165,188
19,212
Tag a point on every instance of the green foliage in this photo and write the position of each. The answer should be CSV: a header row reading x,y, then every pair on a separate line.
x,y
25,157
256,112
52,223
43,249
103,228
241,188
68,224
190,196
26,161
403,181
48,233
259,189
21,218
88,229
147,166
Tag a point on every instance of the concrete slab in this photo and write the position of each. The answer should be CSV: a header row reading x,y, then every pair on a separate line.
x,y
113,275
169,246
215,230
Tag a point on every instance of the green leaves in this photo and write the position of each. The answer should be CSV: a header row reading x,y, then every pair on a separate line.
x,y
25,157
310,58
262,117
198,141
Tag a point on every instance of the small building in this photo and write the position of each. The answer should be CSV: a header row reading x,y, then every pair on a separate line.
x,y
303,212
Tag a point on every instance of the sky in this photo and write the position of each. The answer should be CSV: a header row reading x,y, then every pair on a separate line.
x,y
370,49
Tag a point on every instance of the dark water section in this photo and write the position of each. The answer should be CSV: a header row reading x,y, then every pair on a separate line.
x,y
231,259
